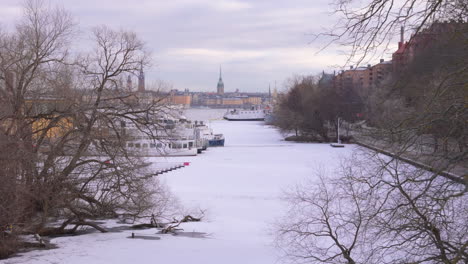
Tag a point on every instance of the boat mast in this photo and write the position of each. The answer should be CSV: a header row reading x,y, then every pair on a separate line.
x,y
338,132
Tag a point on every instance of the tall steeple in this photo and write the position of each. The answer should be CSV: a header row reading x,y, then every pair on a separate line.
x,y
220,87
275,92
141,80
129,83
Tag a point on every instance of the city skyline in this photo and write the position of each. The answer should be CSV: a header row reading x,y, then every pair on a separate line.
x,y
256,42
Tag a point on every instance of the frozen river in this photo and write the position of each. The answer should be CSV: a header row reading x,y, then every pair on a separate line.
x,y
239,187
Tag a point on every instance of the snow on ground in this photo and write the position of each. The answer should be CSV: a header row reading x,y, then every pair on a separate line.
x,y
238,185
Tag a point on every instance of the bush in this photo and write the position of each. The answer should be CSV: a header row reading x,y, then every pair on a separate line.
x,y
8,245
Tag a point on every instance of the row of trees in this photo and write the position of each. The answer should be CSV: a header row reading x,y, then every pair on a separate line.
x,y
432,85
313,111
377,208
427,100
57,107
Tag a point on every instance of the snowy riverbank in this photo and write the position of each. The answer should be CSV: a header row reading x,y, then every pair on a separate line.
x,y
239,186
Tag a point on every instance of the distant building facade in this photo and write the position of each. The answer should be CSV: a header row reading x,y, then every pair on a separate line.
x,y
380,71
361,80
358,79
220,99
180,98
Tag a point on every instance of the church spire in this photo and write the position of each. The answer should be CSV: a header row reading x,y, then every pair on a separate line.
x,y
129,83
141,80
220,87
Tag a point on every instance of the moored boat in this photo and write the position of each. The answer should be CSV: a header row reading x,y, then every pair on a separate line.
x,y
245,115
216,141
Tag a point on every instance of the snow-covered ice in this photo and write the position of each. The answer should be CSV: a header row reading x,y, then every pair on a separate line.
x,y
238,186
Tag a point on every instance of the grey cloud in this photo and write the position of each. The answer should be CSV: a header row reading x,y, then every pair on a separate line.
x,y
257,42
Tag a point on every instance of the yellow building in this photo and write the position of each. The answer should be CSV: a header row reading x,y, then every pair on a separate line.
x,y
232,101
253,100
212,101
54,127
185,100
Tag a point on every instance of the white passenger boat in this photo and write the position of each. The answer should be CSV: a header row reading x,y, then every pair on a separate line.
x,y
194,130
245,115
169,139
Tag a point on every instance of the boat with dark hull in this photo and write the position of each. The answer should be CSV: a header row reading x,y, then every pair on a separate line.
x,y
216,141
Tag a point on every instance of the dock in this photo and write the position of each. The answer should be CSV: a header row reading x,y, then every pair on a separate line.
x,y
164,167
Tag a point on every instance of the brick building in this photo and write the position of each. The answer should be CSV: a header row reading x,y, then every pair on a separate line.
x,y
380,71
437,32
370,77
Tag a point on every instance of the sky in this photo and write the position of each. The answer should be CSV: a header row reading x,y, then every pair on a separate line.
x,y
257,43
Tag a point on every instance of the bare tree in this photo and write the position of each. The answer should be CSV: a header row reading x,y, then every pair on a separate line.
x,y
375,210
418,214
314,111
39,41
367,27
316,232
290,109
412,200
63,141
98,177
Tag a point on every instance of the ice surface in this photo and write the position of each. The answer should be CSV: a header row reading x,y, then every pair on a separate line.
x,y
239,185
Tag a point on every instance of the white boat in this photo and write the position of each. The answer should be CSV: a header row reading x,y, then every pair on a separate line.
x,y
169,139
216,141
245,115
194,130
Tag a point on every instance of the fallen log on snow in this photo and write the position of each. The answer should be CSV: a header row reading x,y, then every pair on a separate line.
x,y
173,228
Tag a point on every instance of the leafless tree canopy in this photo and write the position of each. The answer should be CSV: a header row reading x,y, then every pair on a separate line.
x,y
368,27
375,210
404,199
313,111
62,140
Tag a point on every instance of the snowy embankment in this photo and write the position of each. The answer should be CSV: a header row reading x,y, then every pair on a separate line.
x,y
238,186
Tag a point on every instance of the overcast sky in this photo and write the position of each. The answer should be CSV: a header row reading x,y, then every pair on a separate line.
x,y
256,42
